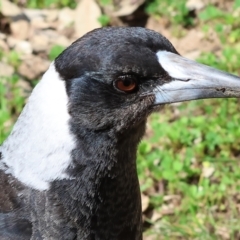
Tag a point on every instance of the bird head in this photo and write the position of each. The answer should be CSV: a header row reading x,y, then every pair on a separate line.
x,y
115,77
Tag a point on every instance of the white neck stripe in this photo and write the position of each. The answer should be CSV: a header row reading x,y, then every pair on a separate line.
x,y
38,150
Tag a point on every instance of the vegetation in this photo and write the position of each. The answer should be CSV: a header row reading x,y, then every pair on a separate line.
x,y
175,11
188,162
11,100
55,51
51,3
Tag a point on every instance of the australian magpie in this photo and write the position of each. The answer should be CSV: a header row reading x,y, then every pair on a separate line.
x,y
68,168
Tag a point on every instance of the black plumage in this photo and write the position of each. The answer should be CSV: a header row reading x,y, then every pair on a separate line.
x,y
99,199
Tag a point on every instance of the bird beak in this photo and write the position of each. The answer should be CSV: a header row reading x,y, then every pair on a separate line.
x,y
191,80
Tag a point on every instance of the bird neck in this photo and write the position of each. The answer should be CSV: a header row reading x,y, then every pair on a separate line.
x,y
104,184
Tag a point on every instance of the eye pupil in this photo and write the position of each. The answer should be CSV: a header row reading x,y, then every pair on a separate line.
x,y
126,83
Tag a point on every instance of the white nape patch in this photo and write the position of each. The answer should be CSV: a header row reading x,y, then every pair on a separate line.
x,y
39,147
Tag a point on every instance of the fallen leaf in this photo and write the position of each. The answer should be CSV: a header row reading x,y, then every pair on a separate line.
x,y
145,202
86,17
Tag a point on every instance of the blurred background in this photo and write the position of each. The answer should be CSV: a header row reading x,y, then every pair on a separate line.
x,y
188,162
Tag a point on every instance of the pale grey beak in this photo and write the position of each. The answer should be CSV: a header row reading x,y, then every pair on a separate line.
x,y
192,80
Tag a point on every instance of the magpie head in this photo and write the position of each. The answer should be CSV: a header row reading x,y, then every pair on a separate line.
x,y
110,76
116,76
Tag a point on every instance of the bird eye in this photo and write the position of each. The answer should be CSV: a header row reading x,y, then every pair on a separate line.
x,y
126,83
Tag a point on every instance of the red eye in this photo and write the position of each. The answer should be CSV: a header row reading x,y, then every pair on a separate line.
x,y
126,83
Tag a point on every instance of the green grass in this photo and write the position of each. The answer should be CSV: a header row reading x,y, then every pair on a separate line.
x,y
192,151
55,51
51,3
11,104
195,158
11,99
175,11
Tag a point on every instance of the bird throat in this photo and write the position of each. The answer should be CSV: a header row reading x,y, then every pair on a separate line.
x,y
104,185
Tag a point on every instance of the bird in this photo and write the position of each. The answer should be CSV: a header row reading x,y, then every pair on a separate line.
x,y
68,168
